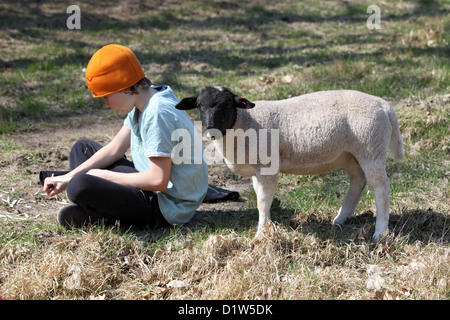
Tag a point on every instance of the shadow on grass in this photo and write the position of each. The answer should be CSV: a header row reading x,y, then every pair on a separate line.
x,y
45,22
424,226
410,226
35,23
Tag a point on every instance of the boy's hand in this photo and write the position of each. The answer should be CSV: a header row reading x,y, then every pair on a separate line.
x,y
53,188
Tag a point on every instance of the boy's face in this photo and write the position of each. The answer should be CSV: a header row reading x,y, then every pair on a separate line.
x,y
119,101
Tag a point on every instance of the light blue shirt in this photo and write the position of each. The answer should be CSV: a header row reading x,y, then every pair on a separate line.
x,y
161,130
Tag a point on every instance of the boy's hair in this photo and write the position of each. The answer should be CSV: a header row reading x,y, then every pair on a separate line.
x,y
143,84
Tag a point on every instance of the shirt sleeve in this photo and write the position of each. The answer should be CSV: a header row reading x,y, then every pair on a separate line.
x,y
127,121
157,133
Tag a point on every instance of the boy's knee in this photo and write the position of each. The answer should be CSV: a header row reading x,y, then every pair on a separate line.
x,y
81,151
79,186
81,145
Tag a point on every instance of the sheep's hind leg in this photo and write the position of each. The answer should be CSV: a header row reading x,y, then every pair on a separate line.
x,y
355,190
265,187
379,182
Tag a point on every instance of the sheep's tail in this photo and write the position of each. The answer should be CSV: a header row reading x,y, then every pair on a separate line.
x,y
396,143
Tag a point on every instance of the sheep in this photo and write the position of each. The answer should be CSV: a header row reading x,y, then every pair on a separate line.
x,y
318,133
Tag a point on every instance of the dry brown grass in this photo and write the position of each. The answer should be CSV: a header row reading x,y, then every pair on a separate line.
x,y
216,256
281,264
269,50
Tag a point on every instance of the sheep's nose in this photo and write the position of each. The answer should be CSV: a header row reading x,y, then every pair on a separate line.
x,y
210,133
209,136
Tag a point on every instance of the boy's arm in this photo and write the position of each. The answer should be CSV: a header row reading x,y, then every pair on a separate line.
x,y
104,157
156,178
107,155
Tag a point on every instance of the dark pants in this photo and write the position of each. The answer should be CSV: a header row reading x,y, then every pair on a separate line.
x,y
103,199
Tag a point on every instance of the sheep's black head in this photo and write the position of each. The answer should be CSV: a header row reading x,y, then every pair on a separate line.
x,y
217,107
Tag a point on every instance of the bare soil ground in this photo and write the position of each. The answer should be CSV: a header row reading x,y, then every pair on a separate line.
x,y
267,50
49,149
299,257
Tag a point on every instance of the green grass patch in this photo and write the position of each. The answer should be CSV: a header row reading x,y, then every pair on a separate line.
x,y
263,50
188,45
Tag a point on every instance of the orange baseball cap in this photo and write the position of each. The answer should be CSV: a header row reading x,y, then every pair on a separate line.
x,y
111,69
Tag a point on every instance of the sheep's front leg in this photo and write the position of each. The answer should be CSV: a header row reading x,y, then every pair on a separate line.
x,y
265,187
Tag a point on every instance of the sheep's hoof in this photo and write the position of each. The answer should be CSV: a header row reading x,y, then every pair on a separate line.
x,y
342,217
340,221
377,236
263,230
260,232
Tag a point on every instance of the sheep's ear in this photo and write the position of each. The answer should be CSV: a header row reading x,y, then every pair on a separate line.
x,y
187,103
243,103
